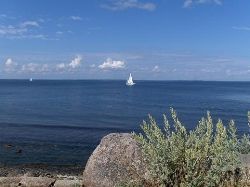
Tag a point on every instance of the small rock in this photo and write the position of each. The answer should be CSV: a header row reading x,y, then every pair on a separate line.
x,y
67,183
29,174
8,145
37,181
19,151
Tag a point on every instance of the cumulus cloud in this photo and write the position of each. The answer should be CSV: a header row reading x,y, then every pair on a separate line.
x,y
34,68
156,68
30,36
10,65
73,65
76,62
188,3
45,68
112,64
76,18
128,4
60,67
30,67
11,30
21,31
29,24
9,62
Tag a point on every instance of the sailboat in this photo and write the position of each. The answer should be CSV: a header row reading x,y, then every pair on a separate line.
x,y
31,79
130,81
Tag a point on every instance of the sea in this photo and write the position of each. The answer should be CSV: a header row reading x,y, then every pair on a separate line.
x,y
60,122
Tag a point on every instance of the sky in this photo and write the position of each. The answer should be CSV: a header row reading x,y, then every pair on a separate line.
x,y
108,39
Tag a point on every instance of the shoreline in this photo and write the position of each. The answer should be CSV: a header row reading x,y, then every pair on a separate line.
x,y
31,175
40,170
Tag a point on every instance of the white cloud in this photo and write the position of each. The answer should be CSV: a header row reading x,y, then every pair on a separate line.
x,y
30,36
30,67
11,30
128,4
23,30
112,64
73,65
188,3
10,65
76,62
156,68
210,70
45,68
76,18
34,68
29,24
59,32
60,67
241,28
9,62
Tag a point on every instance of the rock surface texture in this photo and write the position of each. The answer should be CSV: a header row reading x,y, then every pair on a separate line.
x,y
27,181
115,161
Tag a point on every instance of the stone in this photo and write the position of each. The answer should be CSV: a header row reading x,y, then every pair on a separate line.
x,y
67,183
8,145
9,181
37,181
19,151
27,181
116,160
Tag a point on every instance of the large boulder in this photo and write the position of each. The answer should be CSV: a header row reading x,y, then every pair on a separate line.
x,y
117,160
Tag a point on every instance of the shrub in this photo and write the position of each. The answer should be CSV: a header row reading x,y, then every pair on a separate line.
x,y
205,156
244,142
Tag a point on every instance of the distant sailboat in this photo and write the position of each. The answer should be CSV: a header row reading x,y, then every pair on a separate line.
x,y
130,81
31,79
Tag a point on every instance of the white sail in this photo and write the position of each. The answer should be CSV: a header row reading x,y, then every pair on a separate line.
x,y
130,81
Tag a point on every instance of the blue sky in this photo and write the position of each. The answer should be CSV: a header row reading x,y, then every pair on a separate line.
x,y
107,39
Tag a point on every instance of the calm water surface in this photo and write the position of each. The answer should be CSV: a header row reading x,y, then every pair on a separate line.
x,y
61,122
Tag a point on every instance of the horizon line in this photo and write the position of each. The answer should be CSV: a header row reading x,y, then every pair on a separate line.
x,y
160,80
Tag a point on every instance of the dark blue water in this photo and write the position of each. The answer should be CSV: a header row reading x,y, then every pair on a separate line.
x,y
61,122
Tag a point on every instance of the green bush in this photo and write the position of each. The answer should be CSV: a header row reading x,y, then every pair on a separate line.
x,y
244,142
205,156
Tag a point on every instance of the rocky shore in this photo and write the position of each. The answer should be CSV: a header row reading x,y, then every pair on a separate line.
x,y
37,170
29,181
39,175
116,161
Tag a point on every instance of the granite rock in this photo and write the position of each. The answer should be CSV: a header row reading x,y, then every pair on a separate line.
x,y
116,160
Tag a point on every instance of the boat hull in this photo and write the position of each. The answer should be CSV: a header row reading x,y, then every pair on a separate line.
x,y
130,84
